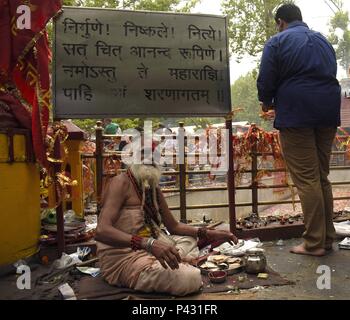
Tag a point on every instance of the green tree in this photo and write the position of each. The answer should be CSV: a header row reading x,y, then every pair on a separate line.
x,y
245,97
250,24
92,3
151,5
160,5
88,125
201,123
341,22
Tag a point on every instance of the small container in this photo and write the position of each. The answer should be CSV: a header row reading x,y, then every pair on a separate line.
x,y
255,261
217,276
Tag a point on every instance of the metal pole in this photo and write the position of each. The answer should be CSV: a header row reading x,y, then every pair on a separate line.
x,y
255,199
59,209
99,162
182,170
231,177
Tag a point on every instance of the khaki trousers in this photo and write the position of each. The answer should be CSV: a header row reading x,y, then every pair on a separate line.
x,y
307,154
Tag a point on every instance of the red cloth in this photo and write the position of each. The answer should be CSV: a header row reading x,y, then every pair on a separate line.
x,y
38,144
5,40
22,115
24,62
41,12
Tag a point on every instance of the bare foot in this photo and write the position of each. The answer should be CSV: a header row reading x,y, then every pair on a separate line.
x,y
300,249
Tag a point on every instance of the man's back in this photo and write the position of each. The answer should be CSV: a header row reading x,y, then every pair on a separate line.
x,y
300,68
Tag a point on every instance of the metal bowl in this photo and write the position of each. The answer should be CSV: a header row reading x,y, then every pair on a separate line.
x,y
227,270
217,276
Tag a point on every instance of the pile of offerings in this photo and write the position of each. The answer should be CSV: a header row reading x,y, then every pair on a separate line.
x,y
254,221
76,229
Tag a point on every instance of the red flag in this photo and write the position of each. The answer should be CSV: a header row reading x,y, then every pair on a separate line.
x,y
41,11
38,141
44,58
29,60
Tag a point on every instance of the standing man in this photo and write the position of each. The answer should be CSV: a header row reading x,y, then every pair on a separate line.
x,y
298,79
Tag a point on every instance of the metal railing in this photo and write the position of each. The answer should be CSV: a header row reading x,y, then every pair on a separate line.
x,y
182,184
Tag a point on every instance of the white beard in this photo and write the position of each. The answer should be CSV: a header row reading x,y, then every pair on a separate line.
x,y
147,176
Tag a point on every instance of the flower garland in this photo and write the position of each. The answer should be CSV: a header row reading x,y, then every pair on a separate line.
x,y
257,140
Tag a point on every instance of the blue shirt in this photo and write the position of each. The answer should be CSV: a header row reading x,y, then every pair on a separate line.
x,y
298,76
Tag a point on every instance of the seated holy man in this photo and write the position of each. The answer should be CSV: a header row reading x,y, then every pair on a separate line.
x,y
133,251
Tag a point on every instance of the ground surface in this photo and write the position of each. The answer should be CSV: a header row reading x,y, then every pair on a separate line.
x,y
301,269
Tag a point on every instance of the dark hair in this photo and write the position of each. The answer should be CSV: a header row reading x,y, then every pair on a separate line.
x,y
289,13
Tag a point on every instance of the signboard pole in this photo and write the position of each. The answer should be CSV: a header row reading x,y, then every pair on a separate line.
x,y
99,163
182,173
231,177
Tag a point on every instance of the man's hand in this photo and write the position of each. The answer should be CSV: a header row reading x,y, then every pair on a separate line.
x,y
265,108
268,116
166,255
221,235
